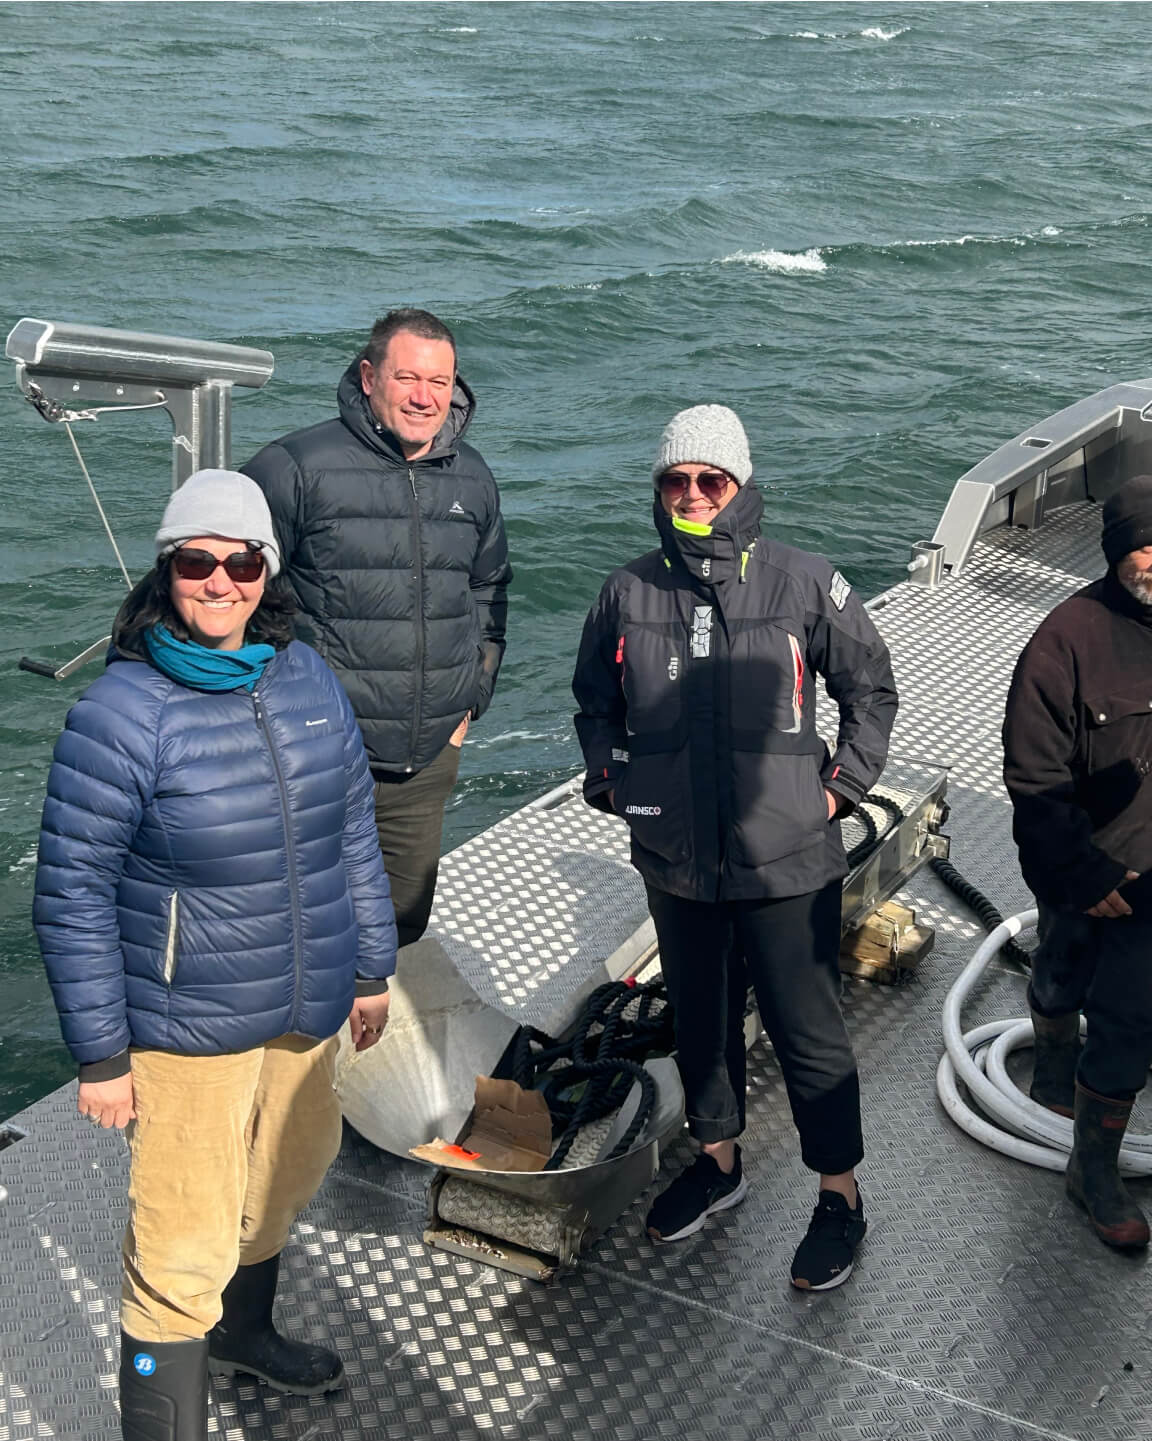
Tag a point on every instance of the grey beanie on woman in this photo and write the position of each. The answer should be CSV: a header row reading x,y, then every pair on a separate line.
x,y
221,503
705,435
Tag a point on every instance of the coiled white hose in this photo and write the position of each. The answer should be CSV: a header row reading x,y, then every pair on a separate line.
x,y
1007,1120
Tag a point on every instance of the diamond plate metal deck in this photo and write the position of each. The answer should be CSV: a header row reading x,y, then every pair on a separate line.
x,y
981,1308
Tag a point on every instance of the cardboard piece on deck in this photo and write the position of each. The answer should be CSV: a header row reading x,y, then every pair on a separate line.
x,y
511,1130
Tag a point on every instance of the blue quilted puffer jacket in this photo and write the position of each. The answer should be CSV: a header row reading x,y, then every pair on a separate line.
x,y
209,874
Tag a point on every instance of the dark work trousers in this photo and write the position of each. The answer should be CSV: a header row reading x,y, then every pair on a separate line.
x,y
410,823
1103,968
789,950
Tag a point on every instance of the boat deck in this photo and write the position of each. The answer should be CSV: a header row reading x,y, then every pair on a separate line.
x,y
981,1309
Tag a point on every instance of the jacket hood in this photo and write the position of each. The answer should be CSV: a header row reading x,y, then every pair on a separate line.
x,y
712,553
361,420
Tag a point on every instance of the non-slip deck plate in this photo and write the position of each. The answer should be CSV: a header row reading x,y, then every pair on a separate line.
x,y
981,1308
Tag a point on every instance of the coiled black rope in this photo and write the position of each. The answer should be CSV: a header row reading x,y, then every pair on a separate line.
x,y
589,1075
895,815
977,902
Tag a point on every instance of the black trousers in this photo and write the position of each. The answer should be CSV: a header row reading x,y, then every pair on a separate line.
x,y
410,824
1103,968
789,950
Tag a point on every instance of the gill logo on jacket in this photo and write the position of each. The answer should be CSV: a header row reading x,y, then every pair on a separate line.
x,y
673,667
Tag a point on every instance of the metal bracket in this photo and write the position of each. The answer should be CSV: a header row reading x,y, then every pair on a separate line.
x,y
62,672
66,369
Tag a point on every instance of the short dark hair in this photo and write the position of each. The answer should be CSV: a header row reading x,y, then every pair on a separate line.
x,y
416,322
149,603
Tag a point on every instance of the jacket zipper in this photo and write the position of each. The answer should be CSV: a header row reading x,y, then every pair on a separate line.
x,y
290,847
170,939
418,562
797,686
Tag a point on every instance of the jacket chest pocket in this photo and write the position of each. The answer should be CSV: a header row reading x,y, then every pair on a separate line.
x,y
770,678
650,662
1119,732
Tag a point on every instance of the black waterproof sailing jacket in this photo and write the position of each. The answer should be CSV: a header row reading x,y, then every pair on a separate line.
x,y
1078,750
400,569
696,687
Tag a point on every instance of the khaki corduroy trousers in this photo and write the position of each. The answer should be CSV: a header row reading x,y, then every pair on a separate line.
x,y
226,1151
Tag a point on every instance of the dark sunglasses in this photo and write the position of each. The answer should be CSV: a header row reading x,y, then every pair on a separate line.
x,y
242,566
711,483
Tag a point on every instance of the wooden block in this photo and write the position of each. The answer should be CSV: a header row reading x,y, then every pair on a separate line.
x,y
887,945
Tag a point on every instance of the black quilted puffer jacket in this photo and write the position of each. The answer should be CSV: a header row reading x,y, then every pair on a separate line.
x,y
400,569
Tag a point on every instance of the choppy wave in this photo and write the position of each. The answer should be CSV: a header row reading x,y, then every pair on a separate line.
x,y
1047,232
783,262
871,32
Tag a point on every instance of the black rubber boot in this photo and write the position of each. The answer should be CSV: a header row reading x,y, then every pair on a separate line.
x,y
163,1390
1056,1051
245,1339
1093,1177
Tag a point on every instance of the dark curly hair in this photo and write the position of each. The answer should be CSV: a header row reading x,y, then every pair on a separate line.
x,y
149,603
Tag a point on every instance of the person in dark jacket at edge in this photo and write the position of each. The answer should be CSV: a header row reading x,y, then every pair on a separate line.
x,y
1077,756
696,687
392,537
212,906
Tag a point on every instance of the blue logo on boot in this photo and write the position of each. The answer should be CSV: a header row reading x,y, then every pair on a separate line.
x,y
144,1363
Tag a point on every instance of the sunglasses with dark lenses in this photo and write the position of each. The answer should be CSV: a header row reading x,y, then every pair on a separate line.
x,y
242,566
711,483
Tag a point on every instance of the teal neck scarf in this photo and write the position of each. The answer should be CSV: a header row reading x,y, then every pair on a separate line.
x,y
201,668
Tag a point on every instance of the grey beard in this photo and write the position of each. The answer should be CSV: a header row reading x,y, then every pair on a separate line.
x,y
1139,587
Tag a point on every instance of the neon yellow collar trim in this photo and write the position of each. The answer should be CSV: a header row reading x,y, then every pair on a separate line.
x,y
691,527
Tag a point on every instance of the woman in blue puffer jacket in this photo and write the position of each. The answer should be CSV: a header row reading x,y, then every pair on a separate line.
x,y
211,906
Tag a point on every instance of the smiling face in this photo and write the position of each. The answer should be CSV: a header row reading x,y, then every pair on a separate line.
x,y
217,610
696,492
411,389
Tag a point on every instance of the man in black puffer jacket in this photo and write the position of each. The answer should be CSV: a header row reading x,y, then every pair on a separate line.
x,y
696,682
392,538
1077,757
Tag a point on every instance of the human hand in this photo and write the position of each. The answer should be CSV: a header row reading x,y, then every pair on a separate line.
x,y
368,1019
108,1103
1113,905
833,804
457,737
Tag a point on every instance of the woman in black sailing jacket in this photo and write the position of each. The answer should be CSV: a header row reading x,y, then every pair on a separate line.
x,y
696,687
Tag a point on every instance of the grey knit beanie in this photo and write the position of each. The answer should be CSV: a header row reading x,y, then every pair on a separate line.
x,y
223,503
705,435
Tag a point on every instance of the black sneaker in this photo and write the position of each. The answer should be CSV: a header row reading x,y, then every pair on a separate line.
x,y
824,1258
695,1194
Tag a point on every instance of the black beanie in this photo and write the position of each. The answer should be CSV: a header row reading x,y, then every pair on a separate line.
x,y
1127,518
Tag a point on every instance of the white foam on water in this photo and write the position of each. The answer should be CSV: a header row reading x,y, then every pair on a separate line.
x,y
460,30
513,736
873,32
23,863
960,240
877,32
783,262
1047,232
